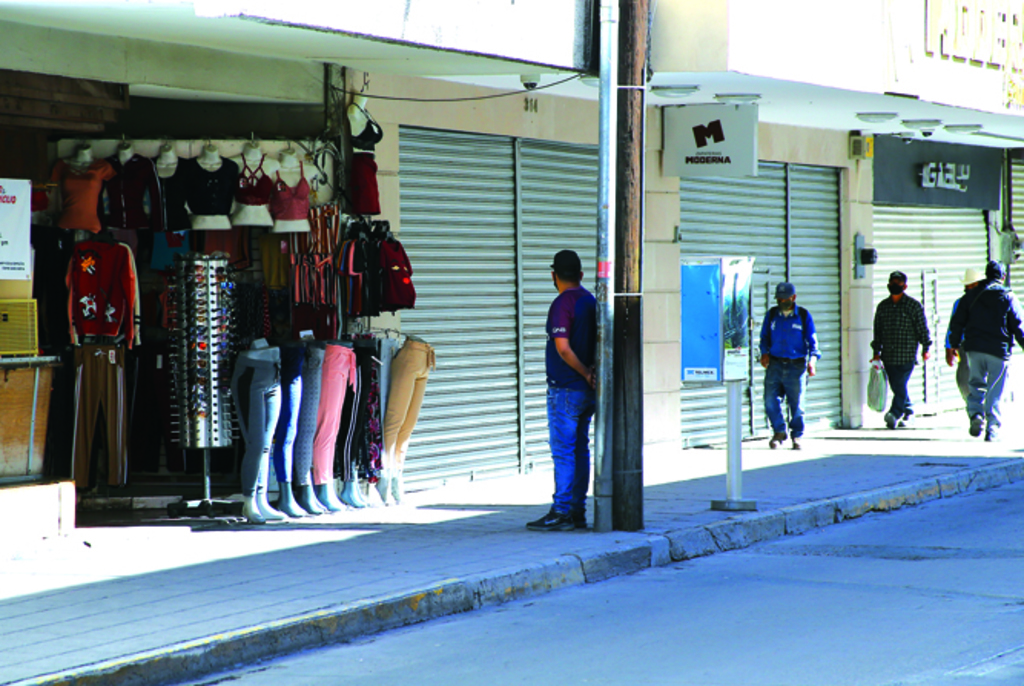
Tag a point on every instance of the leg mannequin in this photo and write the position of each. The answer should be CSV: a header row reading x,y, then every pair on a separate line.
x,y
409,372
256,388
292,356
303,450
338,373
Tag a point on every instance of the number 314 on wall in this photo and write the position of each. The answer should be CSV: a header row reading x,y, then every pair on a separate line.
x,y
529,104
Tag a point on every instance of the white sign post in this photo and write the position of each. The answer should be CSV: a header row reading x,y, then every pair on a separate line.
x,y
15,230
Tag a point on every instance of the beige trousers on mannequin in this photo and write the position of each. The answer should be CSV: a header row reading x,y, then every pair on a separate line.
x,y
409,371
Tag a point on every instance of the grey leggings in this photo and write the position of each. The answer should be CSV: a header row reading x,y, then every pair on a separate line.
x,y
256,386
303,449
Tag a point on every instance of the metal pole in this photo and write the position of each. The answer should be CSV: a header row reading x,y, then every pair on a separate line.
x,y
734,468
606,266
734,464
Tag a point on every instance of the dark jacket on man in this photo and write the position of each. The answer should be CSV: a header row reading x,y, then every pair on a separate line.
x,y
987,320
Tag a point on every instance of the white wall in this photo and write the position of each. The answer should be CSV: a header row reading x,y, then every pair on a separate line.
x,y
141,62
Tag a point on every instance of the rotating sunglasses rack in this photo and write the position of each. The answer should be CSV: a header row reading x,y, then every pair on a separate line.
x,y
201,313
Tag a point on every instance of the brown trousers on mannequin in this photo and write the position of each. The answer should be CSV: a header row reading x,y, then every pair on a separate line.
x,y
409,371
100,383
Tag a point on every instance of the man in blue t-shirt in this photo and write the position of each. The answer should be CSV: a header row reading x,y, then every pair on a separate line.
x,y
789,347
569,362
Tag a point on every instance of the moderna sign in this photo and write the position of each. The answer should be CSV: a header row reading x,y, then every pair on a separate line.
x,y
710,140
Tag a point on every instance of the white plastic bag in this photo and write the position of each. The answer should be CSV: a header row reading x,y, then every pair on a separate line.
x,y
878,387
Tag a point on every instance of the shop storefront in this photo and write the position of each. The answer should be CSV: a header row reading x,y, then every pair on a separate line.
x,y
482,217
787,218
935,215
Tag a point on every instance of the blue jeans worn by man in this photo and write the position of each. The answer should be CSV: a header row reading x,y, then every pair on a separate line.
x,y
902,408
785,380
986,381
569,415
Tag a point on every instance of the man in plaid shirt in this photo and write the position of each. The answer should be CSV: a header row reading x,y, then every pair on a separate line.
x,y
900,326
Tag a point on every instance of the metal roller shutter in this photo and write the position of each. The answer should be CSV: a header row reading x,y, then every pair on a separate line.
x,y
733,217
814,270
458,228
932,246
558,209
1017,196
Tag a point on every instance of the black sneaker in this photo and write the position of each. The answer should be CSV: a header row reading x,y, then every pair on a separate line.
x,y
977,423
579,519
552,521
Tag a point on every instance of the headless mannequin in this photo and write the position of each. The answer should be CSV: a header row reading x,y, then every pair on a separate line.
x,y
287,502
253,215
125,151
167,161
291,173
305,495
357,118
256,508
82,158
210,160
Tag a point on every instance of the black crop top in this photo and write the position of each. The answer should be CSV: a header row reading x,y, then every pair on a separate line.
x,y
173,193
210,192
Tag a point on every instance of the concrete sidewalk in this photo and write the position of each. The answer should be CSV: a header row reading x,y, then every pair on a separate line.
x,y
151,600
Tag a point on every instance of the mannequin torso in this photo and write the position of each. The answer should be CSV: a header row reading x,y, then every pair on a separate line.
x,y
167,161
211,190
290,201
254,166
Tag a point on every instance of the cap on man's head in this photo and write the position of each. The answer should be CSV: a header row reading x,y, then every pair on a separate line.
x,y
567,264
972,275
994,270
898,276
785,290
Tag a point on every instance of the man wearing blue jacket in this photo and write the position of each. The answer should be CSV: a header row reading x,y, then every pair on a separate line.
x,y
985,325
789,347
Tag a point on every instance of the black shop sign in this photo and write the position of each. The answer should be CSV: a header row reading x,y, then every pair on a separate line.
x,y
923,173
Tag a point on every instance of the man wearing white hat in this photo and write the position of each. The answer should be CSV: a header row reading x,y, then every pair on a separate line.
x,y
986,325
971,278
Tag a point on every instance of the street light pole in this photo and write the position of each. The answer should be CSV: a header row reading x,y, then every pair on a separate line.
x,y
603,422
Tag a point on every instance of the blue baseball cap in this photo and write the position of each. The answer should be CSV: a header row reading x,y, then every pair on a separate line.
x,y
785,290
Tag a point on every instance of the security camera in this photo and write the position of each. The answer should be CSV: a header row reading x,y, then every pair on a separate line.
x,y
927,133
530,81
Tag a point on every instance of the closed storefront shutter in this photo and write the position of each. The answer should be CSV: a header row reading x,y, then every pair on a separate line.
x,y
458,228
742,217
558,210
933,247
1017,197
814,269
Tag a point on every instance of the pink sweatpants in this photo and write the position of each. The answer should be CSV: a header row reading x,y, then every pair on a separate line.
x,y
339,372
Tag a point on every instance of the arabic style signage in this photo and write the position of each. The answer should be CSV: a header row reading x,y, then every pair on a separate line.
x,y
710,140
936,174
15,229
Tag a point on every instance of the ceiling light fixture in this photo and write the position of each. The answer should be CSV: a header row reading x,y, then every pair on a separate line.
x,y
876,117
674,91
592,81
922,124
737,98
963,128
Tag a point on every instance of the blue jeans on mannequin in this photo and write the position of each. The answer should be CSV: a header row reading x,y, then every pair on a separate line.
x,y
787,381
569,415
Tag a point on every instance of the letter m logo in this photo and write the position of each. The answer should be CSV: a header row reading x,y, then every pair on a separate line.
x,y
701,134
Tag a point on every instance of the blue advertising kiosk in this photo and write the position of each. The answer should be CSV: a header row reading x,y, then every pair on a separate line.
x,y
715,347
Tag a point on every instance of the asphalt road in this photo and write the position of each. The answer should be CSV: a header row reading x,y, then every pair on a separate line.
x,y
930,595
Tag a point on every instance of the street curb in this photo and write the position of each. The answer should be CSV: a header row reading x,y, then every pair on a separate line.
x,y
229,650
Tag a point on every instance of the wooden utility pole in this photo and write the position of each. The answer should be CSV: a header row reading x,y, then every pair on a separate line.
x,y
628,421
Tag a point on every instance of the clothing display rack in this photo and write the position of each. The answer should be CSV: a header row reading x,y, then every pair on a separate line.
x,y
200,317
